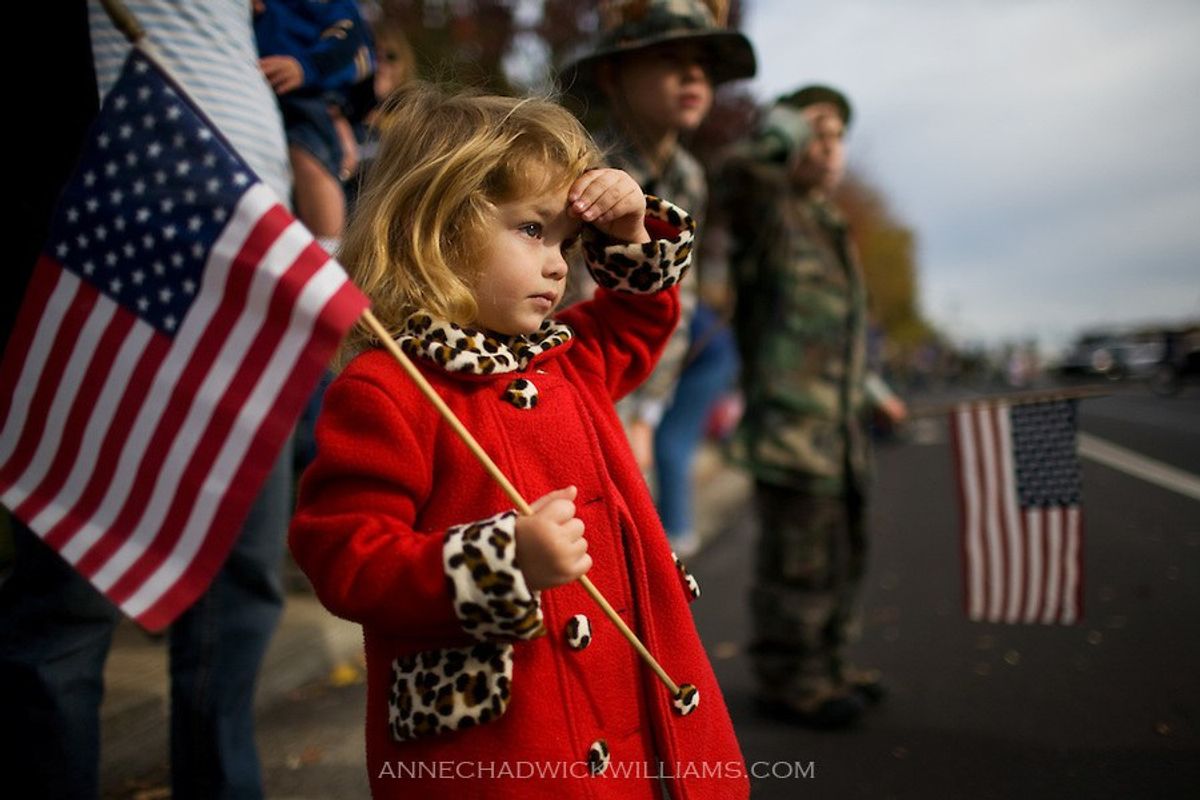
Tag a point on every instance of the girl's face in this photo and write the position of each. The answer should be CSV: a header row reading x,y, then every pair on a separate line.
x,y
524,271
391,71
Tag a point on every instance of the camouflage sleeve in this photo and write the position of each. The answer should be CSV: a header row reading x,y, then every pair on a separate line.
x,y
784,131
747,206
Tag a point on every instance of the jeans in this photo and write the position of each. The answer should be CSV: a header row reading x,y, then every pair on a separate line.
x,y
55,633
707,375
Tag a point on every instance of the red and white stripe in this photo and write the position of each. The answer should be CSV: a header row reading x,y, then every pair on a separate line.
x,y
1019,565
137,456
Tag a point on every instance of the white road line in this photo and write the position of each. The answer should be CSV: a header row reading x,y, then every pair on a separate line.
x,y
1131,463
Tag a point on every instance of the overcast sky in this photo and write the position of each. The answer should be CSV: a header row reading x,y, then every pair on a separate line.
x,y
1046,152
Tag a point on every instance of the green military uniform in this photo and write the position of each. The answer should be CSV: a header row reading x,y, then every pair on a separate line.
x,y
801,325
800,318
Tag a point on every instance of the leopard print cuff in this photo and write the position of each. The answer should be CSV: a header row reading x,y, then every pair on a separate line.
x,y
491,598
447,690
643,268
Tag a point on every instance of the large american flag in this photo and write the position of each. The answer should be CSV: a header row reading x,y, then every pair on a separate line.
x,y
173,329
1022,527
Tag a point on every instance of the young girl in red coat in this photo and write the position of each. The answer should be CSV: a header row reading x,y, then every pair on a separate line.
x,y
490,671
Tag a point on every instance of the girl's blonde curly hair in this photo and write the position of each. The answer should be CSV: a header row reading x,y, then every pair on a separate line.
x,y
444,162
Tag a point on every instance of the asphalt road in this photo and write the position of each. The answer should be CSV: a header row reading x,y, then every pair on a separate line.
x,y
1109,708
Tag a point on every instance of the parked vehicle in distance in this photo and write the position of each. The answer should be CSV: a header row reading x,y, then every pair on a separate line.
x,y
1180,363
1113,357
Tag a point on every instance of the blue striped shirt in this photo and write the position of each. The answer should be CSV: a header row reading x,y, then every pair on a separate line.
x,y
209,48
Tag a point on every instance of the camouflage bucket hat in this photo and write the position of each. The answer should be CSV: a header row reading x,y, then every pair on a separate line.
x,y
634,25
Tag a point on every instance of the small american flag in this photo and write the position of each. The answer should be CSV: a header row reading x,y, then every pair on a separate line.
x,y
171,333
1022,528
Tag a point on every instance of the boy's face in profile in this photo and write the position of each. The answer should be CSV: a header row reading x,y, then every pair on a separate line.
x,y
664,88
821,166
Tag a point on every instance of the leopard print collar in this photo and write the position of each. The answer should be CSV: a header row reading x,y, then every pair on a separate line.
x,y
473,351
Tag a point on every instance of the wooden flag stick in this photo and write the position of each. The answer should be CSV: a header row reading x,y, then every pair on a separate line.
x,y
124,20
1014,399
431,394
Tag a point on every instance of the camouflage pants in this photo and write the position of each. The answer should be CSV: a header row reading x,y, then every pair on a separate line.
x,y
811,557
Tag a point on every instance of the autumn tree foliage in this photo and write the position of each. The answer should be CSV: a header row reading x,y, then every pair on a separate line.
x,y
567,26
889,255
461,42
471,42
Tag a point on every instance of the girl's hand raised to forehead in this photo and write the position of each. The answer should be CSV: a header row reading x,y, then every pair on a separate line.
x,y
611,201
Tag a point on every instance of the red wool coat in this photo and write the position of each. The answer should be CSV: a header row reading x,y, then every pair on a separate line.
x,y
477,686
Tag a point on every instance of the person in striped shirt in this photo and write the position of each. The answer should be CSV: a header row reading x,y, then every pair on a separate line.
x,y
55,628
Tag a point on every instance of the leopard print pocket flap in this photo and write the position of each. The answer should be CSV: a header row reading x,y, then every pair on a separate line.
x,y
449,690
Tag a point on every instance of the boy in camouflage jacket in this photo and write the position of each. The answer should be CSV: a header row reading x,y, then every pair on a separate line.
x,y
801,324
